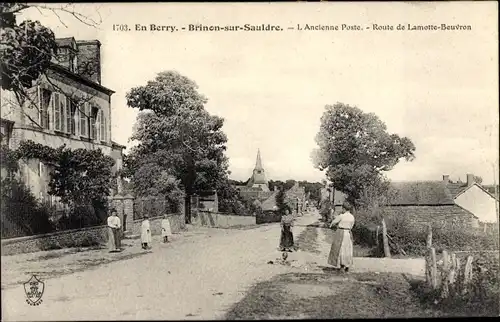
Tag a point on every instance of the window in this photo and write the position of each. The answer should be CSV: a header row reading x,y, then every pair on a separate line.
x,y
60,112
5,133
93,125
45,100
83,120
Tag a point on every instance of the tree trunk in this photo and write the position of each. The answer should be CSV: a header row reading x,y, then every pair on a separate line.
x,y
187,207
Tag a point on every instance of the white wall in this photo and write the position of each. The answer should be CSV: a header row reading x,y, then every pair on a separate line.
x,y
478,202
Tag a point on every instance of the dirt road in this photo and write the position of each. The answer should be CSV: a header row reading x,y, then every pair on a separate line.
x,y
197,279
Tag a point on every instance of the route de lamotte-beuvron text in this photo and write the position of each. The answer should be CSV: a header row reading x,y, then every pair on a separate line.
x,y
297,27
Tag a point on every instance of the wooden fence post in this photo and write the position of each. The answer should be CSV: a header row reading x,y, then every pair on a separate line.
x,y
458,275
433,268
453,272
429,236
467,274
445,291
387,250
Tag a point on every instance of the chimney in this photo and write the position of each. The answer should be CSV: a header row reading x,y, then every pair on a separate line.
x,y
89,59
470,179
446,179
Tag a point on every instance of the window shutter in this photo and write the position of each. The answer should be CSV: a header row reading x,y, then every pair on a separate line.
x,y
88,111
52,107
69,117
98,125
76,118
103,126
82,119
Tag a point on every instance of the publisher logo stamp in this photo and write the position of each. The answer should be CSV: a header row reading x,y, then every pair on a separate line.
x,y
34,291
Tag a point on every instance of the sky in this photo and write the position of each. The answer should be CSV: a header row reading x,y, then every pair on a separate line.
x,y
439,88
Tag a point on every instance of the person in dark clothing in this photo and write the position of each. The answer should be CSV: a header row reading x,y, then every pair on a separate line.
x,y
286,240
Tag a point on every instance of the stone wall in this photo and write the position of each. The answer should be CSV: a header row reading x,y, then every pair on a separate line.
x,y
221,220
83,237
91,236
177,224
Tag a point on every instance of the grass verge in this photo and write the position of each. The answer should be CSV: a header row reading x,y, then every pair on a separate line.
x,y
331,295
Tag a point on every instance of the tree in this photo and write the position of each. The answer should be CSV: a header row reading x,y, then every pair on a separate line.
x,y
275,184
355,149
178,135
313,188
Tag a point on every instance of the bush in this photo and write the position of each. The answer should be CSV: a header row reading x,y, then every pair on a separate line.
x,y
412,238
21,212
81,216
267,217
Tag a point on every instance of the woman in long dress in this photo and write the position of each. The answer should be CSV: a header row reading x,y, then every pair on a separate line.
x,y
166,231
146,233
286,239
341,252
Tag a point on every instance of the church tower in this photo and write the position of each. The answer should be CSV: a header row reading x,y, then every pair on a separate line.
x,y
258,179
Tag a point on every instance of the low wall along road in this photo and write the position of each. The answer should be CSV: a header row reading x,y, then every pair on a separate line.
x,y
221,220
84,237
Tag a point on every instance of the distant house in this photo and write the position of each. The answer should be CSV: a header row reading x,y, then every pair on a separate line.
x,y
269,204
443,202
474,198
295,197
427,202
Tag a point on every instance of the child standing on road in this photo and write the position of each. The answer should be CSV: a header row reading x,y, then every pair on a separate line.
x,y
145,233
165,229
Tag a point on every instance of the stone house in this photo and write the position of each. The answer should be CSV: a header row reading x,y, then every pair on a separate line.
x,y
67,105
426,202
475,198
295,197
442,202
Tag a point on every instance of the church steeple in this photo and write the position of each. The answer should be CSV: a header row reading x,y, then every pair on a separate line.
x,y
258,179
258,163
